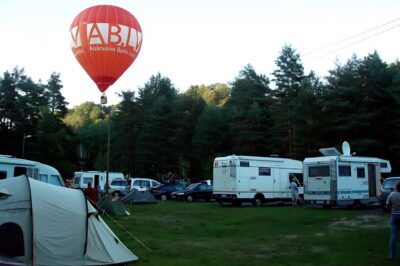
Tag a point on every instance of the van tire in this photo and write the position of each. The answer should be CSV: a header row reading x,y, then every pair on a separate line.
x,y
163,197
258,200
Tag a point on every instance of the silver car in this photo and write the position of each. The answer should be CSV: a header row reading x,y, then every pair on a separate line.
x,y
119,187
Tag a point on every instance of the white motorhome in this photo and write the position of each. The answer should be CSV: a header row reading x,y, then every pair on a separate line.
x,y
97,178
254,179
11,167
343,180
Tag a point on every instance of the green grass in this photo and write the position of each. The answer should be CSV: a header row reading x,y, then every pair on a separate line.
x,y
182,233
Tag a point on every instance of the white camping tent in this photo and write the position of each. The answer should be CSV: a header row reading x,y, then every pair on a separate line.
x,y
58,226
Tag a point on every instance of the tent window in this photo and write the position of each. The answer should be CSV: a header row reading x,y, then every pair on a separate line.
x,y
11,240
3,174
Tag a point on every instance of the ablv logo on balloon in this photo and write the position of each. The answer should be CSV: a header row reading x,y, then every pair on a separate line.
x,y
105,40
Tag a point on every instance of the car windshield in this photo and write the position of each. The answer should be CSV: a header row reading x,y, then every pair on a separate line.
x,y
390,183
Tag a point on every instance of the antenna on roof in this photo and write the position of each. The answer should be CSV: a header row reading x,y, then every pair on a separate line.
x,y
346,149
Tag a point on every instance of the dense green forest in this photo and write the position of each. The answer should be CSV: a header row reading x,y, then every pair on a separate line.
x,y
159,130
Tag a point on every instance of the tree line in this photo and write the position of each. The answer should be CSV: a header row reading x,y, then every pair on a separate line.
x,y
159,130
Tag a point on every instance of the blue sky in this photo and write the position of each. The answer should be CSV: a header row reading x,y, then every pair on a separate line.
x,y
198,42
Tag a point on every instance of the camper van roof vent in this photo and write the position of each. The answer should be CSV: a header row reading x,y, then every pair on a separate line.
x,y
329,151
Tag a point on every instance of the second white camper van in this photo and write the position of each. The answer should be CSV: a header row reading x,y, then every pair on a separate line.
x,y
254,179
97,178
337,179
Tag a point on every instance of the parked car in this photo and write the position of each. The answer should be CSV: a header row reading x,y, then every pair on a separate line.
x,y
141,183
164,191
196,191
388,186
119,187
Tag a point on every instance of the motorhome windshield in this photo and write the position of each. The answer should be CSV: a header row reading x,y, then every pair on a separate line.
x,y
76,180
55,180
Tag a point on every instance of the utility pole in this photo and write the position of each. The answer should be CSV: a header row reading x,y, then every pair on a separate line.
x,y
23,144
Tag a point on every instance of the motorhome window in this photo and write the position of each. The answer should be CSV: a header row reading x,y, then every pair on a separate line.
x,y
3,174
29,172
43,177
76,180
244,164
35,173
20,171
264,171
317,171
384,165
87,180
360,172
55,180
344,170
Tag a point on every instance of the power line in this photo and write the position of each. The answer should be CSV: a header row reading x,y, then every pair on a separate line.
x,y
357,42
355,36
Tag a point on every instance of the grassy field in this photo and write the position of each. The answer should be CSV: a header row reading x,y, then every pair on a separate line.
x,y
183,233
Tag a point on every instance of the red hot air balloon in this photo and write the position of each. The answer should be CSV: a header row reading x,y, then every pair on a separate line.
x,y
105,40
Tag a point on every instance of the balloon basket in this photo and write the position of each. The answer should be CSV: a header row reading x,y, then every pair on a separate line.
x,y
103,99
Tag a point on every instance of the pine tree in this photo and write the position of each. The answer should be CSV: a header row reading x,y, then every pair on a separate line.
x,y
57,103
288,78
248,110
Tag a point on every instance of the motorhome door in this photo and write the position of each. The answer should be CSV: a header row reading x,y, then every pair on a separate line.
x,y
372,180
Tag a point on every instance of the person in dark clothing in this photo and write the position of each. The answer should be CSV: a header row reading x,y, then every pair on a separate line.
x,y
393,202
91,193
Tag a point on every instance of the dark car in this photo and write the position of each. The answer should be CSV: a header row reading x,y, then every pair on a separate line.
x,y
196,191
388,186
164,191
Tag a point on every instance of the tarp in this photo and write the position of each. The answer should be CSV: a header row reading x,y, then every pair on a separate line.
x,y
139,197
113,205
60,227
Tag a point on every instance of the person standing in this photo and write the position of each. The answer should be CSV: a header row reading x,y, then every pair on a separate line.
x,y
393,202
294,190
91,193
